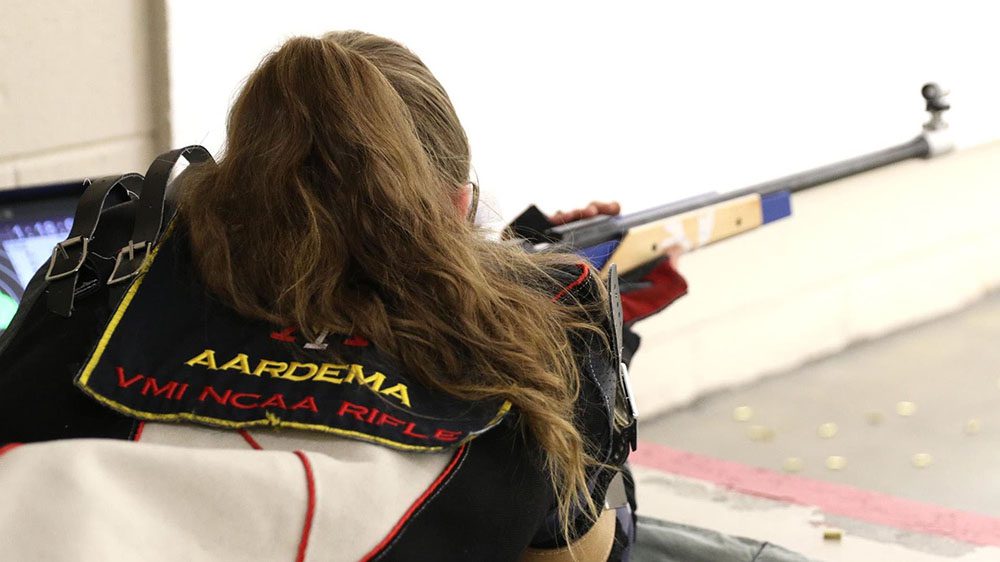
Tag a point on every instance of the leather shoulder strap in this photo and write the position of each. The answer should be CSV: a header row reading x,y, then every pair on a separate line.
x,y
149,216
69,255
626,412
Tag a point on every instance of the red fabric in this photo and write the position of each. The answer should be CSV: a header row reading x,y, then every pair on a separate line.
x,y
286,335
665,286
249,439
310,506
416,505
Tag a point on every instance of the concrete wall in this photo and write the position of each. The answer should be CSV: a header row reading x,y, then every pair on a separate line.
x,y
82,88
859,258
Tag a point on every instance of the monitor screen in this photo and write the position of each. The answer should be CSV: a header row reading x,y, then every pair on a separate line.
x,y
32,221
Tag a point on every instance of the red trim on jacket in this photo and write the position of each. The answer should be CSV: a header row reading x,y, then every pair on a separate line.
x,y
310,506
9,447
583,277
249,439
417,505
138,431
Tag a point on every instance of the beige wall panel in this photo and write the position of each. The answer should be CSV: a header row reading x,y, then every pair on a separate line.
x,y
91,161
74,73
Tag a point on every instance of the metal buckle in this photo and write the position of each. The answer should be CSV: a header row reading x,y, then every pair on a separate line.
x,y
630,431
130,248
626,388
61,248
616,496
319,342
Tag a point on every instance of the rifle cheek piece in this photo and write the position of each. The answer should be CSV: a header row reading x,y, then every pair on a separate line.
x,y
532,226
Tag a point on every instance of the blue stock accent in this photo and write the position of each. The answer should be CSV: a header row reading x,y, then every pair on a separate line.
x,y
774,206
598,255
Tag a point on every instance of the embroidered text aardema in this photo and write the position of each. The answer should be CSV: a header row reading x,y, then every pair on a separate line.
x,y
298,372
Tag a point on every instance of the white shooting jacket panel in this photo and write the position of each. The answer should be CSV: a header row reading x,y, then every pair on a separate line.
x,y
191,493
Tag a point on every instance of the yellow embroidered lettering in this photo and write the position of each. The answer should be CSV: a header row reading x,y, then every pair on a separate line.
x,y
273,368
239,363
400,392
205,358
297,372
330,369
356,375
310,370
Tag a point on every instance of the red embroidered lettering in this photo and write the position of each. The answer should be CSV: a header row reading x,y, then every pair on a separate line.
x,y
284,335
307,403
236,397
409,431
126,383
387,419
180,393
215,395
277,400
446,435
167,389
353,409
356,341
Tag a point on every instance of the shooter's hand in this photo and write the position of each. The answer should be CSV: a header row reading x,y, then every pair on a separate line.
x,y
595,208
647,289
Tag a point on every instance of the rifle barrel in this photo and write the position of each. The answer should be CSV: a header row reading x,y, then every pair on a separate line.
x,y
591,233
917,148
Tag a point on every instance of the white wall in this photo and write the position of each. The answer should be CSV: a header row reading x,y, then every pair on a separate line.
x,y
646,102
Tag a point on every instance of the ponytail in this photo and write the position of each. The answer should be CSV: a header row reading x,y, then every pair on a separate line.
x,y
331,209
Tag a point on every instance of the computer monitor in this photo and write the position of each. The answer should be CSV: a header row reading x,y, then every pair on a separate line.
x,y
32,221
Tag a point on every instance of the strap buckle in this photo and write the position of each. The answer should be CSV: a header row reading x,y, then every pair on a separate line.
x,y
629,396
60,248
628,399
120,258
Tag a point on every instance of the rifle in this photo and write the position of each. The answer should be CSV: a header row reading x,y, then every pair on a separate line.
x,y
635,239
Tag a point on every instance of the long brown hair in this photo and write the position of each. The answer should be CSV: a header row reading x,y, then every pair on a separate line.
x,y
332,209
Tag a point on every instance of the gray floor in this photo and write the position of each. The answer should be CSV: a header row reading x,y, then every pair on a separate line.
x,y
949,369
